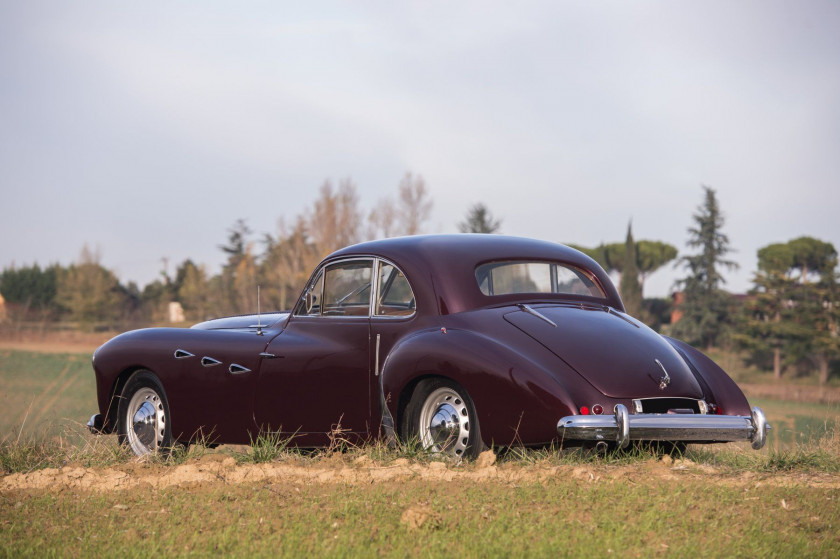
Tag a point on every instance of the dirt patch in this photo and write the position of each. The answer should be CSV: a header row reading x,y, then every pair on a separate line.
x,y
53,342
221,469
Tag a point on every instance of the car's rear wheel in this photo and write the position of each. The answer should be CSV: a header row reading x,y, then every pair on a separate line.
x,y
441,416
143,423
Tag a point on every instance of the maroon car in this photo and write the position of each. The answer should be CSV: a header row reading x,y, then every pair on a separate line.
x,y
459,341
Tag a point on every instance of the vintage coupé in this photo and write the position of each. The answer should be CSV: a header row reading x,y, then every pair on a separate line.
x,y
457,341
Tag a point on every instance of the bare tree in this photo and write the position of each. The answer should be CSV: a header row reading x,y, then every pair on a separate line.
x,y
382,220
335,220
287,264
414,205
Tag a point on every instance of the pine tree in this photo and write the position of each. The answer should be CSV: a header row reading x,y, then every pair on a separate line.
x,y
767,326
706,308
479,220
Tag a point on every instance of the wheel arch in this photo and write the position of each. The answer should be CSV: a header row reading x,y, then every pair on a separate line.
x,y
515,399
115,393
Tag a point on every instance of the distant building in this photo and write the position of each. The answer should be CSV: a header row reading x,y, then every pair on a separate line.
x,y
677,299
176,312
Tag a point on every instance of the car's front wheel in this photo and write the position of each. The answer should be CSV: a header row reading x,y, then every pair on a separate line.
x,y
143,423
441,416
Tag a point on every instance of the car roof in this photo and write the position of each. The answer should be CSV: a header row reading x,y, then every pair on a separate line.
x,y
442,267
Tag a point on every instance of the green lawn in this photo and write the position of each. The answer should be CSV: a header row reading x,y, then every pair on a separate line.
x,y
686,516
45,393
51,394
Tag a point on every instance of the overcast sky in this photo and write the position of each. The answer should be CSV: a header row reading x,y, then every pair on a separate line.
x,y
147,129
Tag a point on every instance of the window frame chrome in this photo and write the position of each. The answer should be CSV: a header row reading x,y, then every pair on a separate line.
x,y
375,293
323,270
374,290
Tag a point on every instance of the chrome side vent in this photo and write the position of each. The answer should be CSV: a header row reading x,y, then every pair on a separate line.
x,y
236,369
210,362
183,354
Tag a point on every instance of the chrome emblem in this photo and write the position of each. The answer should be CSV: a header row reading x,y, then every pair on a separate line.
x,y
666,380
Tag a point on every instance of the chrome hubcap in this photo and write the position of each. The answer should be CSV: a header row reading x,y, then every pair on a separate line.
x,y
147,421
445,422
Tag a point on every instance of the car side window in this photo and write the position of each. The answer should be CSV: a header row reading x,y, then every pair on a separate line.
x,y
395,296
347,288
311,305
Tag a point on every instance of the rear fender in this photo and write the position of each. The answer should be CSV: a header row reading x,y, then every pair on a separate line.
x,y
723,390
516,401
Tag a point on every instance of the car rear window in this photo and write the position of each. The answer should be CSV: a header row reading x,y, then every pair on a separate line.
x,y
509,277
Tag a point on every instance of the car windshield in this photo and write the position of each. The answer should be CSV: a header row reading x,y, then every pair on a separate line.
x,y
509,277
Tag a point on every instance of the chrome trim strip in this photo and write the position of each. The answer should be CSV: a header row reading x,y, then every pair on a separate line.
x,y
209,362
529,310
183,354
665,427
379,263
376,359
236,369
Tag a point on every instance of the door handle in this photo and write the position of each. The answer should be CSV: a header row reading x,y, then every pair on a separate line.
x,y
267,355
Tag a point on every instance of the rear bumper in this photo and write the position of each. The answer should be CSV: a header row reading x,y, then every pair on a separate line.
x,y
623,427
95,424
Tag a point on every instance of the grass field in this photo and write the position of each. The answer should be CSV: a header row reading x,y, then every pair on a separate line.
x,y
43,393
52,394
98,501
641,515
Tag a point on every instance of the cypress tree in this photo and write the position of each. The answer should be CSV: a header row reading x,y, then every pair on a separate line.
x,y
630,288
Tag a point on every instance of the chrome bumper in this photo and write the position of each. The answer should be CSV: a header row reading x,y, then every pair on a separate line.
x,y
623,427
95,423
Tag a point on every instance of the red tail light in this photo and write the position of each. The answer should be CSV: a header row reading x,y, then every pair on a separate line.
x,y
584,410
597,409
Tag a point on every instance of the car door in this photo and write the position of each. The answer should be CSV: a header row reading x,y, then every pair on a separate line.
x,y
316,379
394,307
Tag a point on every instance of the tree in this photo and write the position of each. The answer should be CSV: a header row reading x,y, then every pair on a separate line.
x,y
89,292
793,313
237,241
630,288
650,256
239,278
31,289
706,308
816,301
382,220
414,206
767,325
335,220
192,289
288,261
479,220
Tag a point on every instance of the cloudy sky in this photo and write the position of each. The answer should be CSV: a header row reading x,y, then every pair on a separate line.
x,y
147,129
